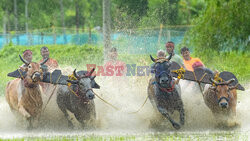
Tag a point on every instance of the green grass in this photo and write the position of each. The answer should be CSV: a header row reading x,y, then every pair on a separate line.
x,y
179,136
78,56
237,63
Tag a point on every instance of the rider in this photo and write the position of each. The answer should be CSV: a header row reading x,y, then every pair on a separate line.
x,y
119,67
188,60
50,65
161,54
27,55
175,57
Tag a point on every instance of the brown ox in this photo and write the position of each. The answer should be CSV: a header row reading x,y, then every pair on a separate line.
x,y
221,99
24,95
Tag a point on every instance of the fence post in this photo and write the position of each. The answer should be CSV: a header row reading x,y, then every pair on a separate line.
x,y
90,35
169,35
54,34
4,30
42,37
159,37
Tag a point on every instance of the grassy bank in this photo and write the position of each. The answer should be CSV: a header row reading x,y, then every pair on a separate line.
x,y
235,62
78,56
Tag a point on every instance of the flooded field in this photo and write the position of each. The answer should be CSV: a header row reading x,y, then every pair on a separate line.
x,y
128,94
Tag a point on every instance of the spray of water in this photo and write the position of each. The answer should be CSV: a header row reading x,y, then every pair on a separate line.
x,y
127,94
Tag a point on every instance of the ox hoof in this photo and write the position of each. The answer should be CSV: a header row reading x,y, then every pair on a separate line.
x,y
176,125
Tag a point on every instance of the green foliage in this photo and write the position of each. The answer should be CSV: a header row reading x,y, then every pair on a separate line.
x,y
189,10
224,26
166,11
128,13
134,8
44,14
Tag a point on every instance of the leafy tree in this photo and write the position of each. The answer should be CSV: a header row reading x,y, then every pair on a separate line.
x,y
128,13
224,26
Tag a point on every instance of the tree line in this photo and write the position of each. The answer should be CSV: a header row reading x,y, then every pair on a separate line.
x,y
25,15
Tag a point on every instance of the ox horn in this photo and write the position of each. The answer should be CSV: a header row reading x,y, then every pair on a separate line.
x,y
23,60
170,56
227,82
222,83
44,61
75,74
90,73
230,81
213,81
152,58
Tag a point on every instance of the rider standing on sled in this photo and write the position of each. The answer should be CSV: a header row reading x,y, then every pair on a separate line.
x,y
188,60
160,55
27,55
175,57
49,66
51,63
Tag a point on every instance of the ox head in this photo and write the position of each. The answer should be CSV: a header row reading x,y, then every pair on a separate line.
x,y
223,92
84,83
162,72
33,71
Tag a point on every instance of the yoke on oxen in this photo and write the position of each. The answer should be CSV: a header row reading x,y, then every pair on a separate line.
x,y
201,75
220,96
70,86
56,77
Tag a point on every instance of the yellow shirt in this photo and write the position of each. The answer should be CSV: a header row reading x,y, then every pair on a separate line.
x,y
188,63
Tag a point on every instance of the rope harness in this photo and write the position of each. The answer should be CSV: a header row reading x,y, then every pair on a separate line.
x,y
167,90
26,83
199,81
180,72
52,91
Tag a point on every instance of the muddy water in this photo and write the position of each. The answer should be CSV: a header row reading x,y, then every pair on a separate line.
x,y
127,94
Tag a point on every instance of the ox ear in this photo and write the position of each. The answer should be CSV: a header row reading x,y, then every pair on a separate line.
x,y
94,85
73,81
